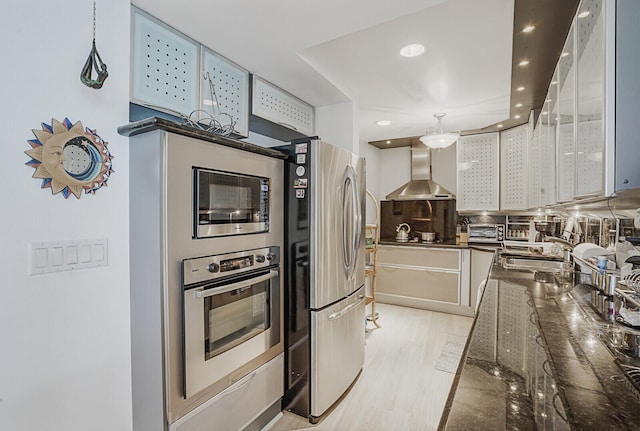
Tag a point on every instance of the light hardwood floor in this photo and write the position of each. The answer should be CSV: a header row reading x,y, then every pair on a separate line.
x,y
399,388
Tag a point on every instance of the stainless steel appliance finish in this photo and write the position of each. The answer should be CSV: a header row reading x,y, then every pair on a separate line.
x,y
486,233
228,203
325,277
231,313
338,343
421,185
402,234
161,226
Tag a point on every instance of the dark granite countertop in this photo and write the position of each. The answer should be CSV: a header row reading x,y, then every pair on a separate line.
x,y
536,359
157,123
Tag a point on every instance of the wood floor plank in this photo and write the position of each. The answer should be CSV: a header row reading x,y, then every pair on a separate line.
x,y
399,387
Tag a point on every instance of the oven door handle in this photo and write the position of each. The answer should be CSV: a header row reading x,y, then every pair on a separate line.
x,y
235,286
346,309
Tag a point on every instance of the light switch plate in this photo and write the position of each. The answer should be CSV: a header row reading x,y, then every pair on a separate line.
x,y
68,255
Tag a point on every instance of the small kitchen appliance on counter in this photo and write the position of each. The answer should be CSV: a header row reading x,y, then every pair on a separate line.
x,y
485,232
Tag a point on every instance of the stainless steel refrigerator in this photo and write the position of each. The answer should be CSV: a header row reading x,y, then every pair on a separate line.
x,y
325,298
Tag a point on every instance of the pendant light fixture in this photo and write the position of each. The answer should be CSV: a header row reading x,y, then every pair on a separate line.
x,y
439,138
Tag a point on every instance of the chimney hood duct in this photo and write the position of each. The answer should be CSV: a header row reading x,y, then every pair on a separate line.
x,y
421,186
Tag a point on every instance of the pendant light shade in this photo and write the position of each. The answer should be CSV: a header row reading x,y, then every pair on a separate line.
x,y
439,138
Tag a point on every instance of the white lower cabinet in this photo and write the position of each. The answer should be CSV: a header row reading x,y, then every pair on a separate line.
x,y
429,278
239,404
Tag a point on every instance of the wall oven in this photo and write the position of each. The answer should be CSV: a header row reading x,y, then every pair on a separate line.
x,y
229,203
231,313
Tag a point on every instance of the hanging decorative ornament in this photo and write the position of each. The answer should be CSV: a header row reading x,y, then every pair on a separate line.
x,y
94,62
69,158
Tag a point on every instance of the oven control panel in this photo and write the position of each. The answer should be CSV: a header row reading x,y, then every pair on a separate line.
x,y
206,268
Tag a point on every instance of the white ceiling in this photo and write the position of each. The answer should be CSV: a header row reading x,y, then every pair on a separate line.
x,y
332,51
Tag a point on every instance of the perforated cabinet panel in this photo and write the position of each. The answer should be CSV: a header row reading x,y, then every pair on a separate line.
x,y
548,165
165,66
275,105
589,163
512,340
535,188
590,141
514,168
566,162
231,85
478,172
483,344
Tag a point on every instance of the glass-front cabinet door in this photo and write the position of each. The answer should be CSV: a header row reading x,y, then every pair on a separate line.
x,y
590,50
547,144
565,119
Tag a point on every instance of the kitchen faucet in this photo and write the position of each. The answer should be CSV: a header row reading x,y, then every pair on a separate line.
x,y
566,245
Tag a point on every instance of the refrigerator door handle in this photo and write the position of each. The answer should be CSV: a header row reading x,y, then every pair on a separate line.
x,y
351,221
346,309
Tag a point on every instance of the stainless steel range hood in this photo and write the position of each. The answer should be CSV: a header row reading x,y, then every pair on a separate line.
x,y
421,185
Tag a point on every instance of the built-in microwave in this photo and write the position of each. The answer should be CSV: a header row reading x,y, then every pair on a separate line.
x,y
227,203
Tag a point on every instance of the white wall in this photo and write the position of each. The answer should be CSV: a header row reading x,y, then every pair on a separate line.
x,y
65,353
395,169
337,124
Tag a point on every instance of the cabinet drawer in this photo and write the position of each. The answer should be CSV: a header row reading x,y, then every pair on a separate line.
x,y
239,404
418,283
415,256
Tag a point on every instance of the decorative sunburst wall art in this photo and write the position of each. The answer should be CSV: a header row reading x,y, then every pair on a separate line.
x,y
69,158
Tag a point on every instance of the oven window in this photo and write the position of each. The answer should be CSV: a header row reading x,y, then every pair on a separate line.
x,y
230,318
484,232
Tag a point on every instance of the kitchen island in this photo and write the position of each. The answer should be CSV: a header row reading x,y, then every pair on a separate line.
x,y
535,359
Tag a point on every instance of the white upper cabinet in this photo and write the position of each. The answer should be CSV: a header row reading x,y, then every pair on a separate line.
x,y
174,74
548,154
281,108
478,172
165,67
534,165
225,95
590,142
542,153
565,114
624,97
514,168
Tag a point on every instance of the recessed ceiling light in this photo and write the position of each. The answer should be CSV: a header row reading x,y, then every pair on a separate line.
x,y
564,54
500,126
516,117
518,105
412,50
544,112
548,100
523,63
388,142
383,122
521,88
554,82
528,29
584,14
